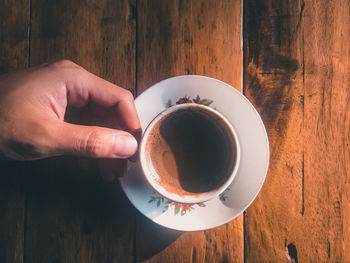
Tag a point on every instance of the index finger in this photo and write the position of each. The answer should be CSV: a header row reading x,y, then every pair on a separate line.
x,y
83,86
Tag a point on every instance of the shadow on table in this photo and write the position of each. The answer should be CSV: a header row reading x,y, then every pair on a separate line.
x,y
74,213
152,238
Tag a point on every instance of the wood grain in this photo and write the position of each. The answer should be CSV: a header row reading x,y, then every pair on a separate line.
x,y
73,215
189,37
14,23
297,75
296,72
12,215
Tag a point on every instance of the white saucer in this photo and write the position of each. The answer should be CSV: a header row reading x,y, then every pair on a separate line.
x,y
252,167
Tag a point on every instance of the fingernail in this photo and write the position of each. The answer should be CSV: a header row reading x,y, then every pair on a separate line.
x,y
125,145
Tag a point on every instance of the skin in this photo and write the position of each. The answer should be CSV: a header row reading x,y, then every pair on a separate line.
x,y
62,109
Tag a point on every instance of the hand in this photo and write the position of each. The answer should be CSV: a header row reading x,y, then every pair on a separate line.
x,y
33,115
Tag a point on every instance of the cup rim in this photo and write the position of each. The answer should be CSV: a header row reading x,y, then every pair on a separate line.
x,y
188,199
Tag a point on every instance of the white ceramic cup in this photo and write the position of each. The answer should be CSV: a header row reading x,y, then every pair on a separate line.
x,y
154,179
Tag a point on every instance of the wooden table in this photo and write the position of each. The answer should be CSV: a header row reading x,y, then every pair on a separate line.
x,y
295,66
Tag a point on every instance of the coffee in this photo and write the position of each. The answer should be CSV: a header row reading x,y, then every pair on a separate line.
x,y
191,151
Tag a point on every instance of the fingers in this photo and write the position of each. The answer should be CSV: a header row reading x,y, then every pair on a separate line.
x,y
83,86
96,142
128,115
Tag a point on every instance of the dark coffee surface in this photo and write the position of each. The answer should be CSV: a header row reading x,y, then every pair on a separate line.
x,y
191,153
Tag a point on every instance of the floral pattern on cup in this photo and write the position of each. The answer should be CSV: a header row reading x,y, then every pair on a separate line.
x,y
179,208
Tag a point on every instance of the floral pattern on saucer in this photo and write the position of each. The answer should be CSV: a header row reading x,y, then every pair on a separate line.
x,y
159,200
184,208
198,100
179,208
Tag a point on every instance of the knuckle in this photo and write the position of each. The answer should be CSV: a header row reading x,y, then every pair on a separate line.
x,y
64,64
127,95
67,69
93,145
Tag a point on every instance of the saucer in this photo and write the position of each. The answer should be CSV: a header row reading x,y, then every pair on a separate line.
x,y
253,164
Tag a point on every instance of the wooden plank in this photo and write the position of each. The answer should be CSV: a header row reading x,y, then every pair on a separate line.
x,y
73,216
297,74
14,23
12,207
189,37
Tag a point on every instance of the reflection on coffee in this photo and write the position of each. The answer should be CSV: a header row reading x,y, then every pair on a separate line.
x,y
191,151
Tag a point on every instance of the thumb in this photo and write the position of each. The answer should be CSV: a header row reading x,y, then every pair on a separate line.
x,y
96,142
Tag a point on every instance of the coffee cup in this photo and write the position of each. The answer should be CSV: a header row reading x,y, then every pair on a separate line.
x,y
189,153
